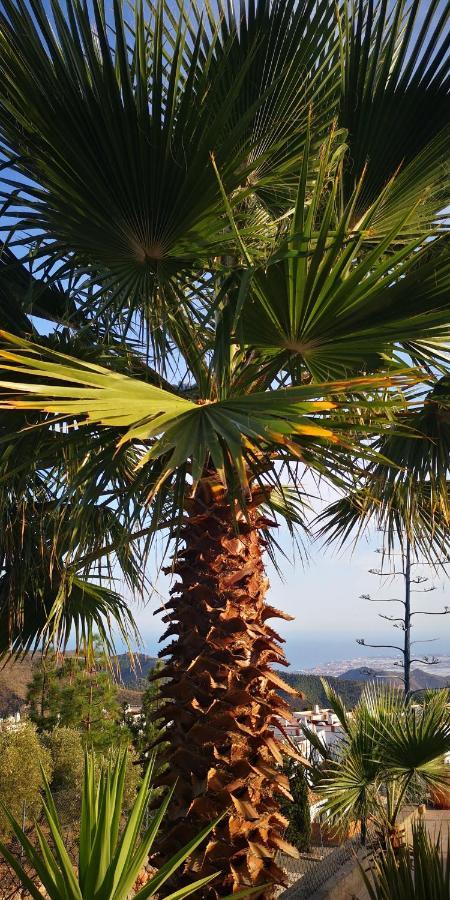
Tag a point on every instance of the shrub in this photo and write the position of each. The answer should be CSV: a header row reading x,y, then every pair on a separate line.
x,y
297,810
21,758
110,859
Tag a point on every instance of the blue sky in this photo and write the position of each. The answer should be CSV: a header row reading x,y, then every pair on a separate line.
x,y
324,596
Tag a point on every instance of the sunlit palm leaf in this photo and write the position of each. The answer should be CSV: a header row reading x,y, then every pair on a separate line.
x,y
294,420
328,304
395,103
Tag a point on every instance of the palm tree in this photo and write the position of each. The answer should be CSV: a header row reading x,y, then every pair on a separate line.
x,y
253,291
389,747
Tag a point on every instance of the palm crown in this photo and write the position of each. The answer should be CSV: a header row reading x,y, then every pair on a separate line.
x,y
244,273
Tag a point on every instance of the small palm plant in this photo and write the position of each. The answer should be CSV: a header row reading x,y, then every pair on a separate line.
x,y
418,872
389,748
109,860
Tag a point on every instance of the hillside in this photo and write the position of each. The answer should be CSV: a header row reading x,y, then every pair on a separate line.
x,y
420,678
132,681
14,679
133,673
311,686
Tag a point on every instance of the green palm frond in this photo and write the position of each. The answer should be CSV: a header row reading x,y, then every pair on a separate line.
x,y
395,104
349,790
336,705
155,114
416,743
328,303
293,60
408,492
300,423
22,295
389,744
59,558
72,609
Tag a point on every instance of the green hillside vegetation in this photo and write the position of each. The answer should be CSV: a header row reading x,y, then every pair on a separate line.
x,y
311,686
132,672
16,675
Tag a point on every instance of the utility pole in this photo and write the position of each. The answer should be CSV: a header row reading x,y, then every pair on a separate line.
x,y
404,621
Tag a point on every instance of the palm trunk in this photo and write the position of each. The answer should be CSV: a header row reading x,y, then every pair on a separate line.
x,y
221,698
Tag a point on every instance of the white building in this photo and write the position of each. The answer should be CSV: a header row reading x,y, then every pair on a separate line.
x,y
11,723
323,722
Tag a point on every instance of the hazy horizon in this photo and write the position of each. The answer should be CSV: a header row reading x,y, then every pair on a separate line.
x,y
324,596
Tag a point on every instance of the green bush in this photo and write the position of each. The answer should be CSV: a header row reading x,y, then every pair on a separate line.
x,y
66,748
21,758
296,810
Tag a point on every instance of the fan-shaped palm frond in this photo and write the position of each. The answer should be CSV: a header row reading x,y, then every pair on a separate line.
x,y
44,596
22,295
154,118
388,745
298,422
327,304
395,105
407,493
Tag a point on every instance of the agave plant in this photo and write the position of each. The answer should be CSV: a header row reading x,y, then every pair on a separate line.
x,y
417,872
248,271
109,858
389,747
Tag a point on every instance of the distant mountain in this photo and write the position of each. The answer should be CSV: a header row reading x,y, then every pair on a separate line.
x,y
420,678
133,673
364,673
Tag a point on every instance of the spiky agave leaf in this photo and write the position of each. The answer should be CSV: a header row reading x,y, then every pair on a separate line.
x,y
110,857
419,871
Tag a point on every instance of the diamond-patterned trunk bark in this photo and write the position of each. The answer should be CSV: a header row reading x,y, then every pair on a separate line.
x,y
221,698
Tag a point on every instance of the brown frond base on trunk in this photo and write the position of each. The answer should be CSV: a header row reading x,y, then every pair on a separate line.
x,y
221,699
